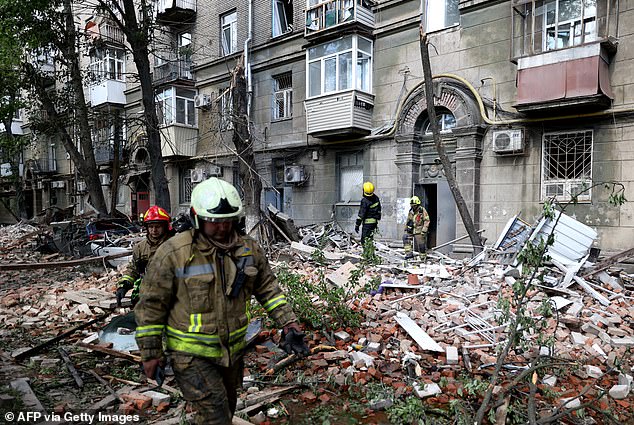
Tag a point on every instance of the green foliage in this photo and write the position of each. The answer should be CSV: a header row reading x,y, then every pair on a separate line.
x,y
318,303
472,387
408,411
369,256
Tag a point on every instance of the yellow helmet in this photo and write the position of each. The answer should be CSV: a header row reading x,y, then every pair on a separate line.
x,y
415,200
368,188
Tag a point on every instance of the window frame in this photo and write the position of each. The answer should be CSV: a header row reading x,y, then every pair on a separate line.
x,y
285,93
185,186
275,8
340,168
101,67
225,109
354,50
435,18
567,183
229,20
167,106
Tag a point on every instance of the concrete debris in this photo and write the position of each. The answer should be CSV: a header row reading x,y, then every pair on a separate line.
x,y
619,392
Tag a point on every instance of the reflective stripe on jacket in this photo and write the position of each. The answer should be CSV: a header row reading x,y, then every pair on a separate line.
x,y
369,210
189,294
417,222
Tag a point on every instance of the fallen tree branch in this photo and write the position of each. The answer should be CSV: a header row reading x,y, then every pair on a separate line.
x,y
71,367
111,352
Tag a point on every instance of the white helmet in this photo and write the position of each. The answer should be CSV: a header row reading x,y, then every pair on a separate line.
x,y
215,200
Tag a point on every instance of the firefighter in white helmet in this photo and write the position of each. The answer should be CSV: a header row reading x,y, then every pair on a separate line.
x,y
197,291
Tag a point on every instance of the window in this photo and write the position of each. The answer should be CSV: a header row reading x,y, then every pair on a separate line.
x,y
350,167
107,64
441,14
567,165
540,26
283,96
229,33
446,121
186,186
331,69
225,108
282,17
175,105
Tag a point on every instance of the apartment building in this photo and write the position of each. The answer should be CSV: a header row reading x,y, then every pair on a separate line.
x,y
535,99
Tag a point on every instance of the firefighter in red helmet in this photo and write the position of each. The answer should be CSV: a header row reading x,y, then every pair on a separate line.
x,y
158,225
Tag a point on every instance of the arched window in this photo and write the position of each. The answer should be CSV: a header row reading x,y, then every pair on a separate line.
x,y
446,121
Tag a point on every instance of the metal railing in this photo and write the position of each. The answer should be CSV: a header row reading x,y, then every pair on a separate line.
x,y
171,71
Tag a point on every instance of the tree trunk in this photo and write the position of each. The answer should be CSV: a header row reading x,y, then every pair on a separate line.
x,y
116,165
138,38
249,179
88,166
444,159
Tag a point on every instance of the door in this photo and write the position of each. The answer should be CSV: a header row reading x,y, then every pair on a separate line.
x,y
441,207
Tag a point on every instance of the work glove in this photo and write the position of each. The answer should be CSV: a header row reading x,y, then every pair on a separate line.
x,y
121,291
293,342
356,228
155,369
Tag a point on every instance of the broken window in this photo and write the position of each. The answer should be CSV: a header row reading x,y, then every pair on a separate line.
x,y
283,96
350,173
229,33
441,14
540,26
446,121
282,17
567,165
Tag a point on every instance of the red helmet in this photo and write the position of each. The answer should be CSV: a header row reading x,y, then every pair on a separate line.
x,y
156,214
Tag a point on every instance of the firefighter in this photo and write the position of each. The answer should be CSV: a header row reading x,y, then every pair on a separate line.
x,y
369,213
197,292
416,228
157,222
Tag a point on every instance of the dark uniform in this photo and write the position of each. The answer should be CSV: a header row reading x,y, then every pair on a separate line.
x,y
197,293
369,216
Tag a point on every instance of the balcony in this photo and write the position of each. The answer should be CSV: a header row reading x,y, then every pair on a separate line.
x,y
175,12
335,15
104,153
574,79
169,72
107,92
339,114
178,140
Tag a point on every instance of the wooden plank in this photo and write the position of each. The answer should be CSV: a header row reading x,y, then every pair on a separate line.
x,y
417,333
111,352
53,265
604,264
71,367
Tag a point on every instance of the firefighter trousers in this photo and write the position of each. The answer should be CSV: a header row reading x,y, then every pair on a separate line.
x,y
212,390
367,231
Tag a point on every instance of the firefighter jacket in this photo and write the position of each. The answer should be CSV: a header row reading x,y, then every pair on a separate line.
x,y
417,222
369,210
198,295
142,252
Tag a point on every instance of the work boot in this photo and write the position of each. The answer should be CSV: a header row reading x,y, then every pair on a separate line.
x,y
409,255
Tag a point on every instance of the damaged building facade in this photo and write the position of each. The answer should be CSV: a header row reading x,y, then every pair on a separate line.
x,y
535,99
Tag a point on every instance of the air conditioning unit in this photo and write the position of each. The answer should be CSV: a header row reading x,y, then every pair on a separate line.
x,y
59,184
507,142
81,186
294,174
214,170
197,175
104,179
202,100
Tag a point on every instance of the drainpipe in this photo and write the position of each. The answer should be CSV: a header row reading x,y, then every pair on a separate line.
x,y
247,62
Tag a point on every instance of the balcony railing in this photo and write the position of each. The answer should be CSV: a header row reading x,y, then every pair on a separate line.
x,y
179,140
333,13
175,12
107,92
339,113
111,33
172,71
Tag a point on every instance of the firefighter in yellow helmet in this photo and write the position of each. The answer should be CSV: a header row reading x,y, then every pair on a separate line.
x,y
369,212
197,292
158,225
416,228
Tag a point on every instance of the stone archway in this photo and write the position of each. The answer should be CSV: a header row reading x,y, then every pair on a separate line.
x,y
416,153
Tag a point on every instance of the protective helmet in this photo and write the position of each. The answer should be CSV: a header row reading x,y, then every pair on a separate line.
x,y
156,214
368,188
215,200
415,200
